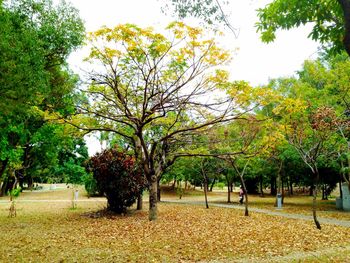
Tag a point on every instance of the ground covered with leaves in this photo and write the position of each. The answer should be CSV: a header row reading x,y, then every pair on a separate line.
x,y
52,232
293,204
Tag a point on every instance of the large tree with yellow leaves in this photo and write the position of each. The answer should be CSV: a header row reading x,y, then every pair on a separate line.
x,y
157,92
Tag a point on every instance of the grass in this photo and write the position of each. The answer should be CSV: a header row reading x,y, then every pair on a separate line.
x,y
52,232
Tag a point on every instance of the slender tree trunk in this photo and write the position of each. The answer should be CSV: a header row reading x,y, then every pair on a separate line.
x,y
206,191
158,190
314,204
261,186
241,174
153,198
212,185
340,189
311,192
279,182
4,186
228,190
228,194
246,212
139,202
283,191
291,186
323,193
174,183
30,183
4,182
3,167
273,186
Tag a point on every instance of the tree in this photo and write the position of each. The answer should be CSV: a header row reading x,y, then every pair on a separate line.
x,y
312,134
331,18
36,38
210,11
156,92
331,21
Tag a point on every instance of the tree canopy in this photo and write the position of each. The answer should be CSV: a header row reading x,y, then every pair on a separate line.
x,y
36,38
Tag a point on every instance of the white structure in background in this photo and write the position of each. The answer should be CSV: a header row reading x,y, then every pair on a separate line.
x,y
346,197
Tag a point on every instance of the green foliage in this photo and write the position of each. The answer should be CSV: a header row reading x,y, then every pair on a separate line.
x,y
15,192
36,38
326,16
220,185
90,184
118,177
207,10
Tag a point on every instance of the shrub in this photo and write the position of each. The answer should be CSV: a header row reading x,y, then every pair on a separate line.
x,y
91,185
220,185
118,178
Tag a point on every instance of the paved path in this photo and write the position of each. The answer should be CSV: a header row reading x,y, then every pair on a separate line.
x,y
330,221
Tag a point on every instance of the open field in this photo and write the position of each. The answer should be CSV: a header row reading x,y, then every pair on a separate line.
x,y
52,232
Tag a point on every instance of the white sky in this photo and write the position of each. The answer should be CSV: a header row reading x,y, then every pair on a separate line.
x,y
254,62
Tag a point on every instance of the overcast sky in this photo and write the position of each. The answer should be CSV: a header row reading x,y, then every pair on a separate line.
x,y
254,62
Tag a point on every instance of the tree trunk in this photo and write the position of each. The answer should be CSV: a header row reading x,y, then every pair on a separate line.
x,y
273,186
282,191
158,190
4,182
3,167
311,191
241,174
229,189
212,185
340,189
323,192
279,183
173,186
139,202
4,186
261,186
206,191
314,204
30,183
153,198
246,212
291,186
228,194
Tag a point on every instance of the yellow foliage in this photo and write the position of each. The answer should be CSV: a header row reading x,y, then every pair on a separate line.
x,y
290,106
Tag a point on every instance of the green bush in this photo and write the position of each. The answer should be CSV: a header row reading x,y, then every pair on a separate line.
x,y
91,185
220,185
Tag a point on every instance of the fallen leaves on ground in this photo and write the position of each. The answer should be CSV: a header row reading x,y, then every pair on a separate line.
x,y
181,234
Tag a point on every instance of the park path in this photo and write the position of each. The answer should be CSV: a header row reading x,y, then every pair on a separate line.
x,y
330,221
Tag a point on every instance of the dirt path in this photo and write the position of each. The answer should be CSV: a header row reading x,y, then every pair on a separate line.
x,y
336,222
